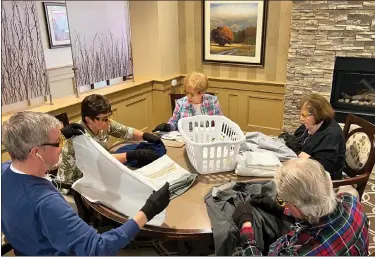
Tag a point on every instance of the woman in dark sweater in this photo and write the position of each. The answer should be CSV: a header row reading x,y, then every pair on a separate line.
x,y
320,135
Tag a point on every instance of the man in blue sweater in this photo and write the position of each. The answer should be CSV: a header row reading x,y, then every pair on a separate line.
x,y
35,218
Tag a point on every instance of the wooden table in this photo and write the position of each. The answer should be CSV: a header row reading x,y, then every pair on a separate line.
x,y
187,216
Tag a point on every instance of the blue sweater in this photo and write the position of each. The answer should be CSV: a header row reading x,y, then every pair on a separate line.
x,y
37,220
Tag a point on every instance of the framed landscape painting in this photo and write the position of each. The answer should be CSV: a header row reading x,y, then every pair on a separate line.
x,y
234,31
57,24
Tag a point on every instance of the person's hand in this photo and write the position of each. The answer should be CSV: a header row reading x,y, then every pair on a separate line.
x,y
294,144
151,138
72,129
164,127
143,156
243,213
157,202
266,203
304,155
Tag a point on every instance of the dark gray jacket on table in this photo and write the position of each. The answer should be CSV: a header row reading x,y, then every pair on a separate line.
x,y
221,202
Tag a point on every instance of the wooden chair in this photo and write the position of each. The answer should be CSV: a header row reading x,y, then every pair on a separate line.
x,y
63,117
360,153
175,97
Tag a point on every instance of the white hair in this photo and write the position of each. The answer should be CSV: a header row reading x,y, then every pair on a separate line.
x,y
305,184
25,130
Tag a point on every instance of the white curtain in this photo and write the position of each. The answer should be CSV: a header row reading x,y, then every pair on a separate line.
x,y
23,66
100,37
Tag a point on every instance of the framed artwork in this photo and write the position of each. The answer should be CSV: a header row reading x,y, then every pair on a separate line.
x,y
234,32
57,24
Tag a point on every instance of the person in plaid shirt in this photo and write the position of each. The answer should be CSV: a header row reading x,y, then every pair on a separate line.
x,y
326,224
196,102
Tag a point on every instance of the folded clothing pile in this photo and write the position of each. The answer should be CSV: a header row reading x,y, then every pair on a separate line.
x,y
257,164
158,148
258,142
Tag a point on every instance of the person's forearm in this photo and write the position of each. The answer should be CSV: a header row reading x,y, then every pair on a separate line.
x,y
69,234
140,218
121,157
247,245
137,135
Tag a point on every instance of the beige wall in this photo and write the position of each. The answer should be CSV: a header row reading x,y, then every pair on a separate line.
x,y
168,38
155,41
251,96
61,81
56,57
167,42
145,37
277,44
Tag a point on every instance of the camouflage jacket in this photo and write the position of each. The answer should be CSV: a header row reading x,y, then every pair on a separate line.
x,y
68,171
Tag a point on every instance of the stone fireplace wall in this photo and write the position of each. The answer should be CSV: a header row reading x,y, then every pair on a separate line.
x,y
320,31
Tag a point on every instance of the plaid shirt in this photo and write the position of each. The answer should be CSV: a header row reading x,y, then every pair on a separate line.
x,y
343,232
210,106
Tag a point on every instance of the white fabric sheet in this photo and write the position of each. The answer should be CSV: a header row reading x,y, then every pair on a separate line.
x,y
109,182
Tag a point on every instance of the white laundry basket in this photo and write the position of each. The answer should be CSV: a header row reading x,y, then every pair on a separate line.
x,y
212,142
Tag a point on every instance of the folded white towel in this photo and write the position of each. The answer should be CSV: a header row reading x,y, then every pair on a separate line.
x,y
257,164
250,172
272,168
260,158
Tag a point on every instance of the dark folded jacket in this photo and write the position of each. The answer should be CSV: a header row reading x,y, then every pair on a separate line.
x,y
158,148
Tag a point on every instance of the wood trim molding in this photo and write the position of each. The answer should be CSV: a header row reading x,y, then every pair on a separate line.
x,y
60,73
166,85
251,82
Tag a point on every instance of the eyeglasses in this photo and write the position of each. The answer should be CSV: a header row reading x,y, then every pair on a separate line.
x,y
191,94
279,200
306,115
58,144
104,119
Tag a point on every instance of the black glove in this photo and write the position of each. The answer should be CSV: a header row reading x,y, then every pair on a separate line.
x,y
266,203
295,145
242,214
142,156
165,127
151,138
157,202
72,129
292,142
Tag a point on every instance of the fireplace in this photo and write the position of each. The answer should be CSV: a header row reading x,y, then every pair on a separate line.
x,y
353,88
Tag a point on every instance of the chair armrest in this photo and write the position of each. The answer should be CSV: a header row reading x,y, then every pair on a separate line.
x,y
351,181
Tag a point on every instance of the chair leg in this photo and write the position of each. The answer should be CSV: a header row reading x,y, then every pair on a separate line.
x,y
361,189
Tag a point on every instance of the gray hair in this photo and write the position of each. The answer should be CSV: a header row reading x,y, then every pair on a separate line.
x,y
25,130
305,184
